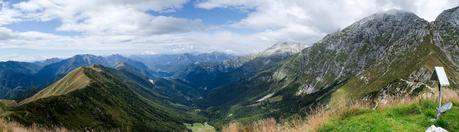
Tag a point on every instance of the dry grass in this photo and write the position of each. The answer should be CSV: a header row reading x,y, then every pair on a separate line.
x,y
322,114
15,127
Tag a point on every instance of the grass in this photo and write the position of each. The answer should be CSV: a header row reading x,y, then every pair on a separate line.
x,y
200,127
413,117
396,114
73,81
16,127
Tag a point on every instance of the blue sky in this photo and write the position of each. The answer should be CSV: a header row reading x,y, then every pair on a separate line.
x,y
39,29
210,17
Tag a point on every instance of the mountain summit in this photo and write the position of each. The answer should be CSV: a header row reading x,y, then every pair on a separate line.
x,y
284,48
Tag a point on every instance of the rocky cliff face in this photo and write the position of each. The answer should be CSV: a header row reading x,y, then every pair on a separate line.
x,y
340,55
446,33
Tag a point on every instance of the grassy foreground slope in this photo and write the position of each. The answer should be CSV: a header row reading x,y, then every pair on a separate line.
x,y
409,117
396,114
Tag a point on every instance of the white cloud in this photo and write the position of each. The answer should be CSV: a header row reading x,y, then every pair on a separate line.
x,y
108,17
128,27
309,20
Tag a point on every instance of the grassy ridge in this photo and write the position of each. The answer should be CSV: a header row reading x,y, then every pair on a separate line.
x,y
73,81
107,103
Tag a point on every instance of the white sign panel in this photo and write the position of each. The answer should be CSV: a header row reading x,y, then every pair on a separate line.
x,y
446,107
441,76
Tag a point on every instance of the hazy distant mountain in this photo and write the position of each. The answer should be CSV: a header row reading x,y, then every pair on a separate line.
x,y
16,78
208,75
47,62
54,71
22,79
173,90
173,63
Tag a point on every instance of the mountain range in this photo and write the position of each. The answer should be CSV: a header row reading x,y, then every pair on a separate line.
x,y
387,54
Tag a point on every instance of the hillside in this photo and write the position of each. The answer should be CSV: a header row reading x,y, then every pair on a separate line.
x,y
16,78
389,53
73,81
95,98
394,114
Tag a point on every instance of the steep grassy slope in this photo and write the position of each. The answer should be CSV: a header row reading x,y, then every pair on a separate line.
x,y
106,103
75,80
392,114
408,117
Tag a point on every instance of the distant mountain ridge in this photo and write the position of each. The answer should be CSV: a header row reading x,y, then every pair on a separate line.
x,y
217,74
37,75
170,63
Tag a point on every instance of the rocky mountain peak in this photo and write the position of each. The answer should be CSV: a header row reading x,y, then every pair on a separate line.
x,y
380,28
450,16
282,48
387,19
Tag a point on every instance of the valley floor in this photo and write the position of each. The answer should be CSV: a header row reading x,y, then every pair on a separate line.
x,y
406,114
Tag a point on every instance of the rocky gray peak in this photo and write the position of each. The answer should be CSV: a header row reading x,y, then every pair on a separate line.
x,y
339,55
446,33
88,58
121,65
282,48
388,16
392,25
450,16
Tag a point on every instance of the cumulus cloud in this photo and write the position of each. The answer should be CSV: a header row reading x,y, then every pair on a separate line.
x,y
129,27
107,17
309,20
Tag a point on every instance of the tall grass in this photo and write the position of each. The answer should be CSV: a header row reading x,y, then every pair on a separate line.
x,y
322,114
16,127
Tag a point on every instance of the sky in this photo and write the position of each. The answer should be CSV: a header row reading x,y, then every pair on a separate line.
x,y
39,29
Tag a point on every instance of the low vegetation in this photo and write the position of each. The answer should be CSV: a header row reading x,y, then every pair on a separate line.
x,y
396,114
16,127
200,127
